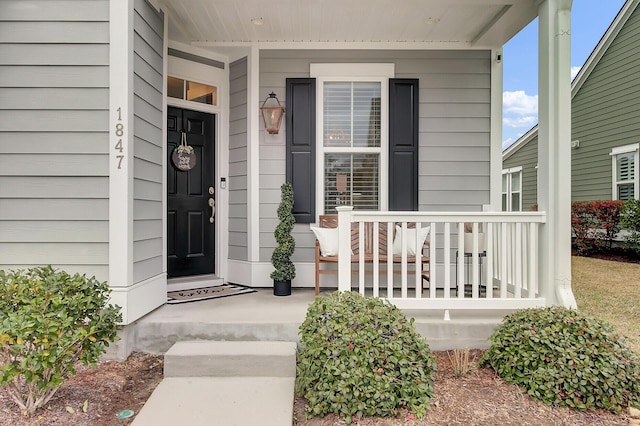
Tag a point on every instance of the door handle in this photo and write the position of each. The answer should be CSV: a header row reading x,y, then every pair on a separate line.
x,y
212,204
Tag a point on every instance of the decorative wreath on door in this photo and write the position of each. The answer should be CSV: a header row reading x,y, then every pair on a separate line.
x,y
183,156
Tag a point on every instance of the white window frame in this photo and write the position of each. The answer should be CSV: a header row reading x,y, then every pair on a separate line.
x,y
353,72
510,172
626,149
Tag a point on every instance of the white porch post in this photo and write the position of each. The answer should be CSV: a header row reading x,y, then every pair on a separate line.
x,y
121,153
344,247
554,152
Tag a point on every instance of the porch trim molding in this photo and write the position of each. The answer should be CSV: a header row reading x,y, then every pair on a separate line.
x,y
140,299
120,143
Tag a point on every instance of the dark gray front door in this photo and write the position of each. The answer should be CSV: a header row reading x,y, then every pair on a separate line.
x,y
191,194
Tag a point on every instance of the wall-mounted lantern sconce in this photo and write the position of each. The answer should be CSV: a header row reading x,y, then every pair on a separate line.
x,y
272,111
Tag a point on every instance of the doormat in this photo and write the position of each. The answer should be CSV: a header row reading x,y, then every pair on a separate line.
x,y
206,293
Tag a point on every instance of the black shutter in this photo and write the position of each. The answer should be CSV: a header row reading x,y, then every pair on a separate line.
x,y
301,152
403,144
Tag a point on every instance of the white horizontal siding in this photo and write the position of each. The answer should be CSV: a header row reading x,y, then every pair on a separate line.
x,y
54,58
238,208
66,231
69,142
53,187
59,164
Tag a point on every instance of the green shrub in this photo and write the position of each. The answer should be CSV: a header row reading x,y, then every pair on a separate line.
x,y
361,357
48,321
630,219
563,358
281,258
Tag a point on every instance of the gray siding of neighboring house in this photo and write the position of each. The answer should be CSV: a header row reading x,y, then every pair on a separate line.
x,y
527,158
238,160
54,163
454,157
606,114
148,119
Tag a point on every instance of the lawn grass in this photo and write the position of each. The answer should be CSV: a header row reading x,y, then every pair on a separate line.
x,y
610,291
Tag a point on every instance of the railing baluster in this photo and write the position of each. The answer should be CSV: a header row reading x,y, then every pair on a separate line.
x,y
390,231
488,272
533,260
376,260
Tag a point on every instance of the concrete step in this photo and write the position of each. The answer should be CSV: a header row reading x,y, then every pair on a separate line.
x,y
228,401
204,358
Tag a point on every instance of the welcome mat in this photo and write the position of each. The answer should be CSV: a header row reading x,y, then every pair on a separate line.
x,y
205,293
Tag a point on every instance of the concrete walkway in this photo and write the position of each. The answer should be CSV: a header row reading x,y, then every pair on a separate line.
x,y
225,384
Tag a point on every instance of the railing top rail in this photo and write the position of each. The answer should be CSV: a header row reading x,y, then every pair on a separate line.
x,y
486,217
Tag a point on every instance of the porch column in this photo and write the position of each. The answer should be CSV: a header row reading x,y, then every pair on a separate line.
x,y
121,153
554,151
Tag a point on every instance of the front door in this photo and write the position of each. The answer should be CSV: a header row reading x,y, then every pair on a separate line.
x,y
191,195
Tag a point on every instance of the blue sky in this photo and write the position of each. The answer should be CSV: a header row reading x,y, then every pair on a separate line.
x,y
589,21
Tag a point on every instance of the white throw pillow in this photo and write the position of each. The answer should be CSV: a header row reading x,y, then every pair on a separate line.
x,y
410,240
328,239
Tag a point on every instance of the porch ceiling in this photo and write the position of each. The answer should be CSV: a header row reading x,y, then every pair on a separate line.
x,y
445,23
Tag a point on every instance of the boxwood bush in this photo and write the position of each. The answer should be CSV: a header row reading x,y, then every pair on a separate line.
x,y
48,321
361,357
563,358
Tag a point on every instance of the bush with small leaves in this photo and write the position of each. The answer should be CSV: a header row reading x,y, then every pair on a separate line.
x,y
48,321
630,219
361,357
563,358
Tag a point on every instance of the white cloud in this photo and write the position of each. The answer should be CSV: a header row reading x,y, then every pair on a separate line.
x,y
520,103
522,121
507,143
574,72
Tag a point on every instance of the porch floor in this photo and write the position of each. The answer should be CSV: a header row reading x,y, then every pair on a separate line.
x,y
261,316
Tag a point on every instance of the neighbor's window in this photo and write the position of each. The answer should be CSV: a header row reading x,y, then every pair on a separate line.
x,y
625,174
192,91
512,189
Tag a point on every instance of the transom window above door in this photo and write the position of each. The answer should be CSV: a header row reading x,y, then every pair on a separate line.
x,y
192,91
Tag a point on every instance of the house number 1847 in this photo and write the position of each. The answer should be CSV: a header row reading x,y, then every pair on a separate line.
x,y
119,131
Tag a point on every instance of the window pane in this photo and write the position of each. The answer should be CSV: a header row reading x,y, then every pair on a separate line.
x,y
366,114
175,87
202,93
504,202
337,114
351,179
515,202
626,191
515,181
504,183
351,114
626,167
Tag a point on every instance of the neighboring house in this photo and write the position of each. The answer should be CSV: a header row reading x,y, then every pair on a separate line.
x,y
389,106
605,124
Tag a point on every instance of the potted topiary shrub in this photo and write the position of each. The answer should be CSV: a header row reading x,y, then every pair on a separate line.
x,y
285,270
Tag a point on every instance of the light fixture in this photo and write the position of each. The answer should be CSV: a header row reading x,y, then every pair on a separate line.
x,y
272,111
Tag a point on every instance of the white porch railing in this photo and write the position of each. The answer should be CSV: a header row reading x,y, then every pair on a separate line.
x,y
498,268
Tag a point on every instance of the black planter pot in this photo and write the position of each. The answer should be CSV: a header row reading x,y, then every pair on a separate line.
x,y
282,288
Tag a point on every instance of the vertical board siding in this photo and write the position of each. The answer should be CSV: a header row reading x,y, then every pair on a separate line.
x,y
148,28
454,129
527,158
606,113
238,238
53,129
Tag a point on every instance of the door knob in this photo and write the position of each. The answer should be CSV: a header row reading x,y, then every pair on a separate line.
x,y
212,204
